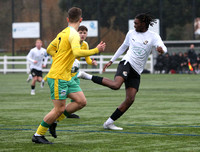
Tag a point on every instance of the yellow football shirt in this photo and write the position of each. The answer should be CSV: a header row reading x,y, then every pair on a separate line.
x,y
85,46
64,49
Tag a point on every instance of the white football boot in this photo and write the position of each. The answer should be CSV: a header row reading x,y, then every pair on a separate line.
x,y
111,127
32,92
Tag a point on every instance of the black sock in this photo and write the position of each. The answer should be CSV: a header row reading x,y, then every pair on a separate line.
x,y
117,114
32,87
97,79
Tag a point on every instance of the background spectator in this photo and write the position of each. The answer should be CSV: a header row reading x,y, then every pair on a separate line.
x,y
174,63
185,63
166,62
192,57
159,66
198,63
180,62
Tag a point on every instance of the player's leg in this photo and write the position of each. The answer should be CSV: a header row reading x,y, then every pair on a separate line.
x,y
59,107
33,85
130,97
40,79
76,94
113,84
72,89
58,89
121,74
77,80
34,74
79,102
29,78
132,82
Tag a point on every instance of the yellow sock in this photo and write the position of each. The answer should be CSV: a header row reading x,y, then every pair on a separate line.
x,y
61,117
42,129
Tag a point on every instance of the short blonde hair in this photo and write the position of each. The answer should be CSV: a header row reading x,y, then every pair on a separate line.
x,y
38,40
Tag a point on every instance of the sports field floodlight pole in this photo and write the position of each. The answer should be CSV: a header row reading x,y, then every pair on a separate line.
x,y
40,5
98,16
13,19
194,16
13,40
161,17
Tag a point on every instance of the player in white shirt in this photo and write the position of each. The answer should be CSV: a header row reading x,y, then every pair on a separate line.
x,y
35,57
139,42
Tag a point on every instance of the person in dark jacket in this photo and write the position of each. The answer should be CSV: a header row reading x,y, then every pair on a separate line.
x,y
166,62
174,62
159,66
192,57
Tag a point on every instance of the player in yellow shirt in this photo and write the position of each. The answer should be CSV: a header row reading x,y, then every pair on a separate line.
x,y
82,30
64,48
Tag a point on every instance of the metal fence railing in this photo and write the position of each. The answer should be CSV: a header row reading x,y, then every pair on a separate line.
x,y
20,64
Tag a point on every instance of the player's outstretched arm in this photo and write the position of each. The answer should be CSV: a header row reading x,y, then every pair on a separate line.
x,y
82,53
107,65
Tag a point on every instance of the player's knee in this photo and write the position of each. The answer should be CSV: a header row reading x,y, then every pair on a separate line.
x,y
60,110
130,99
39,79
116,86
34,78
82,102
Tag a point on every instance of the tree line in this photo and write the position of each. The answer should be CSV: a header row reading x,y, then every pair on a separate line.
x,y
176,16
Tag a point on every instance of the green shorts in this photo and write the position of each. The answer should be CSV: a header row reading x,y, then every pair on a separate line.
x,y
60,89
76,79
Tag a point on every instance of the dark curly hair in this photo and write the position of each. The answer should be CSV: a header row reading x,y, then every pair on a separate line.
x,y
146,18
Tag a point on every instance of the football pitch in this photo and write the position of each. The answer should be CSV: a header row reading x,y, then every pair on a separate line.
x,y
165,117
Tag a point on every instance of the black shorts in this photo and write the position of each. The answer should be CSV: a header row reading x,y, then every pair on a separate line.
x,y
35,73
131,77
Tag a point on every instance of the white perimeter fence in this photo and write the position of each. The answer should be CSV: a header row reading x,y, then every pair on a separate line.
x,y
20,64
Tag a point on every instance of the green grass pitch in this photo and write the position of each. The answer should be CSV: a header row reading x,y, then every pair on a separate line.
x,y
165,117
